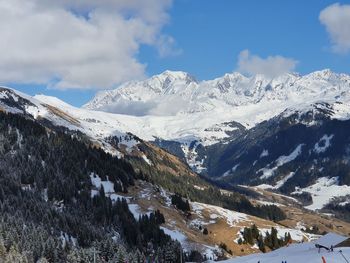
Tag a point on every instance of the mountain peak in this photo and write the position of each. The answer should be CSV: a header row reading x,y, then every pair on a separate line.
x,y
324,74
170,76
234,75
53,101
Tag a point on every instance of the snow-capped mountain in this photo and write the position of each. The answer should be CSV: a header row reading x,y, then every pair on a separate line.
x,y
200,109
288,133
166,84
173,106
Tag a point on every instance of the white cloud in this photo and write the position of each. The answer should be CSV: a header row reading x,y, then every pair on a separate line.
x,y
336,19
271,66
167,46
80,43
159,107
135,108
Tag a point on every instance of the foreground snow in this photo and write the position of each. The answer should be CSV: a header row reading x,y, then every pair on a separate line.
x,y
299,253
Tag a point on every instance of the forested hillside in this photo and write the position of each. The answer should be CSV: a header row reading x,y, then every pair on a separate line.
x,y
197,189
53,210
47,207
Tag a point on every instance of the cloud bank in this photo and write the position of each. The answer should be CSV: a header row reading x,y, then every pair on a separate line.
x,y
271,66
158,107
336,19
83,44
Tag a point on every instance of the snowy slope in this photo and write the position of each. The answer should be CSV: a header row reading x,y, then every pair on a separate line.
x,y
302,252
97,125
323,191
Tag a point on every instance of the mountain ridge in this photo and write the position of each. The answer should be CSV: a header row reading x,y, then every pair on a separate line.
x,y
233,97
179,83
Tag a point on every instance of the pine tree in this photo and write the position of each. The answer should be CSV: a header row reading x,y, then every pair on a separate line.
x,y
42,260
255,231
205,231
287,238
121,255
274,238
3,251
14,256
267,240
135,257
74,256
261,244
248,236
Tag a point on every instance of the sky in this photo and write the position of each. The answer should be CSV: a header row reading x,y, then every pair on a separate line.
x,y
71,49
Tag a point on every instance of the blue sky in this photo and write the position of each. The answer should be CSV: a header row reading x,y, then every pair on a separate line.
x,y
205,38
212,33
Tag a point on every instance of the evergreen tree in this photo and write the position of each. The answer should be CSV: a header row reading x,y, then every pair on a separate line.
x,y
255,231
261,244
205,231
274,238
268,240
248,236
3,251
120,256
42,260
14,256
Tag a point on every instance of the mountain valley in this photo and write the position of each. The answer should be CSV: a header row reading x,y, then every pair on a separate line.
x,y
244,153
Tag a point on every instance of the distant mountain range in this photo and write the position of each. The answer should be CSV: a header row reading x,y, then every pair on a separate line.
x,y
287,133
175,106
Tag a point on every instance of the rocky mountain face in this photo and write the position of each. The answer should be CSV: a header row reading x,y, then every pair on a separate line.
x,y
300,145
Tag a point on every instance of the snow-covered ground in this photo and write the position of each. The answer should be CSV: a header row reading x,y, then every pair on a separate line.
x,y
231,217
175,234
209,251
296,234
323,144
268,203
323,191
108,188
298,253
191,155
269,171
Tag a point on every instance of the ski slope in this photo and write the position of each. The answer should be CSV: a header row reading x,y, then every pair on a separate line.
x,y
300,253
